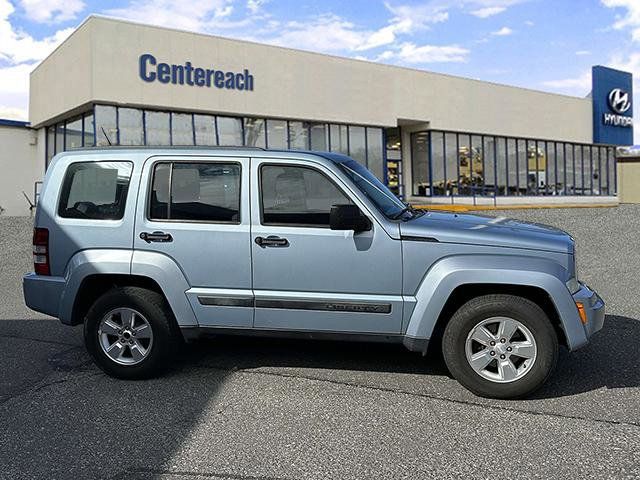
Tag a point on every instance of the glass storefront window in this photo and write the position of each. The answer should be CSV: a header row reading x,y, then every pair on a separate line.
x,y
559,169
255,132
501,166
477,166
568,169
298,136
60,138
229,131
578,187
51,144
89,139
357,145
158,132
277,134
420,164
601,172
452,169
512,167
522,162
375,155
489,170
319,138
130,126
338,139
393,153
550,187
205,130
181,129
611,179
439,187
106,125
73,134
465,164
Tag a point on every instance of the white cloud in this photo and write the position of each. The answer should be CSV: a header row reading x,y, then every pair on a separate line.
x,y
412,54
52,11
503,32
582,53
14,91
17,46
254,6
19,54
12,113
630,19
486,8
488,11
629,62
334,34
579,86
529,23
195,15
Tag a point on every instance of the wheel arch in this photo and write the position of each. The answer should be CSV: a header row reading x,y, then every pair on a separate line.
x,y
466,292
93,271
95,285
455,280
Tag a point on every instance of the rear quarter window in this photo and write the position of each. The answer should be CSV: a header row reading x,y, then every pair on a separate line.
x,y
95,190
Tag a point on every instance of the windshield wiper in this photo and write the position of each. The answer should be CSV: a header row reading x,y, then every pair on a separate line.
x,y
408,209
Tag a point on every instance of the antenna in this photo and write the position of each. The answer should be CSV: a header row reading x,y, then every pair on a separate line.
x,y
31,204
106,136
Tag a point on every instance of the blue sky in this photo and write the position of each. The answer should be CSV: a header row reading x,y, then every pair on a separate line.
x,y
541,44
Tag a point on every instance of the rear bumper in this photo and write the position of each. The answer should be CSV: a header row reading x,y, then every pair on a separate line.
x,y
594,308
43,293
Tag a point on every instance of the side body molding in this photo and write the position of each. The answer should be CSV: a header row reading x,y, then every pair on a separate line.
x,y
451,272
171,280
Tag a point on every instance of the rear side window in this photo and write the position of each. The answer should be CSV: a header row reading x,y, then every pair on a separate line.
x,y
197,192
297,196
95,190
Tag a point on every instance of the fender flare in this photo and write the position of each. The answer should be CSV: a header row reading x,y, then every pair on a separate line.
x,y
156,266
454,271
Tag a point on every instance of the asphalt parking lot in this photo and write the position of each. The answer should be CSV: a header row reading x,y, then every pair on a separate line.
x,y
270,409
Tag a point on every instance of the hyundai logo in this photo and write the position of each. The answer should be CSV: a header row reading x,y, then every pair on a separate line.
x,y
619,100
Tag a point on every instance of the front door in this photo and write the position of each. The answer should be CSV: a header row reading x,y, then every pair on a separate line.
x,y
307,276
195,210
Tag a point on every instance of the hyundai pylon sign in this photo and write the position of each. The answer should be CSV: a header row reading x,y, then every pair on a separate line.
x,y
612,97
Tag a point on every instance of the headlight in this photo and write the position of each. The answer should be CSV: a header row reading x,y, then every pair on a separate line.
x,y
573,285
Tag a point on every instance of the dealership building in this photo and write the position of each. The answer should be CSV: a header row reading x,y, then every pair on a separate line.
x,y
432,138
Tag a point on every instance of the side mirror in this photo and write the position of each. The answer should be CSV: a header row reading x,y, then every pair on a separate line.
x,y
348,217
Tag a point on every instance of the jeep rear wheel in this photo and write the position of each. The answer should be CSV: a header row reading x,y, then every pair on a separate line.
x,y
128,332
500,346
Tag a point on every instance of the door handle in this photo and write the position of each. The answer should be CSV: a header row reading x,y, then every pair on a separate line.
x,y
272,241
156,237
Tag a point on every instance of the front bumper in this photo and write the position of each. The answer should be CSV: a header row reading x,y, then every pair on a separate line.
x,y
43,293
593,308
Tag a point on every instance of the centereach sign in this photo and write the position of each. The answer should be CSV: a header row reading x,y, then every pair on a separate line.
x,y
151,70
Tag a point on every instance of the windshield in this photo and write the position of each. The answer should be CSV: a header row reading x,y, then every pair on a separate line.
x,y
374,189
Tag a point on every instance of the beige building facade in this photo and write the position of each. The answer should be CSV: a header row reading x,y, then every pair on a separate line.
x,y
430,137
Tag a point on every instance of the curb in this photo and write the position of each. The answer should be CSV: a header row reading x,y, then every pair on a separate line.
x,y
476,208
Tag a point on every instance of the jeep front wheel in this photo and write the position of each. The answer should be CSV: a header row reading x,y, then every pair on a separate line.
x,y
500,346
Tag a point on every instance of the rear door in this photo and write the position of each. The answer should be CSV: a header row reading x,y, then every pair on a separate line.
x,y
195,210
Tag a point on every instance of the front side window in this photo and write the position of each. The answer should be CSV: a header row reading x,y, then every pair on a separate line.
x,y
197,192
95,190
297,196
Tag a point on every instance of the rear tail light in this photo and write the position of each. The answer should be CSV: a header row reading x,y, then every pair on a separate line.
x,y
41,251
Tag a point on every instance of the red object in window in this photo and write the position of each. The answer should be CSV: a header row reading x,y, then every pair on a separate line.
x,y
41,251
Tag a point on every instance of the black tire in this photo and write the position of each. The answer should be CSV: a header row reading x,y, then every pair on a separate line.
x,y
153,306
481,308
